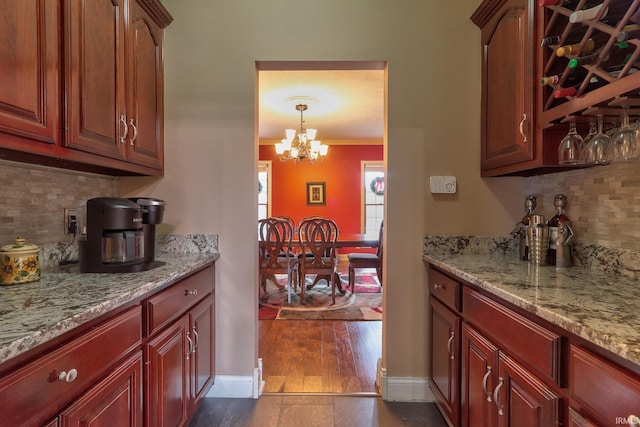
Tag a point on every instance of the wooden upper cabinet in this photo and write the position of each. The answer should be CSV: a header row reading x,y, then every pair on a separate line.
x,y
115,107
145,104
84,78
29,75
95,61
508,116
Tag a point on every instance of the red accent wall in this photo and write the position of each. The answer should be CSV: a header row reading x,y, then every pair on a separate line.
x,y
340,171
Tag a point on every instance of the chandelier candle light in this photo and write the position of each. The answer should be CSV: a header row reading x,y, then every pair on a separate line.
x,y
301,146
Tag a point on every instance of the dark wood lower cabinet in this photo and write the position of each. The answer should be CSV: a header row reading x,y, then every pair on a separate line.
x,y
166,399
116,400
445,359
522,399
495,365
179,358
479,366
119,372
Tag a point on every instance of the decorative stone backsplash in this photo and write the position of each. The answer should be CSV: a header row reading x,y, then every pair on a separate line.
x,y
34,198
603,203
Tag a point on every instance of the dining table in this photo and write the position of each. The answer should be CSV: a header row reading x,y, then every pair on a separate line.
x,y
345,240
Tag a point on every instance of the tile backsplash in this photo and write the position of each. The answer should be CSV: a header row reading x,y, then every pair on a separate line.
x,y
34,198
603,202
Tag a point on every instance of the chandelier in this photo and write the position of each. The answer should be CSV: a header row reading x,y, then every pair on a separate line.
x,y
303,145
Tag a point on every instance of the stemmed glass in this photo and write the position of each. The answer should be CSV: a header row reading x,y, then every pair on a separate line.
x,y
624,140
597,149
571,147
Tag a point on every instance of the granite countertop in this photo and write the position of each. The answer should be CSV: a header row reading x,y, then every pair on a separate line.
x,y
63,299
597,306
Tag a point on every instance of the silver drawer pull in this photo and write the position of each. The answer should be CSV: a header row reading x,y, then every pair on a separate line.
x,y
438,286
190,346
188,292
68,376
496,396
452,336
484,383
195,334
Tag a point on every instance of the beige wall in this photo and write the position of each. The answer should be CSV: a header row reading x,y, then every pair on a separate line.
x,y
433,55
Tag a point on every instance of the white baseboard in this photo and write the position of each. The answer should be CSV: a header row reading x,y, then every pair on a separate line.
x,y
403,389
233,386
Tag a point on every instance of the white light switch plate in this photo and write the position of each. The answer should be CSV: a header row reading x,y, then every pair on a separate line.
x,y
442,184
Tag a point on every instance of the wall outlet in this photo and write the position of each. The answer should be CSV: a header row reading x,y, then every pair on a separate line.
x,y
70,221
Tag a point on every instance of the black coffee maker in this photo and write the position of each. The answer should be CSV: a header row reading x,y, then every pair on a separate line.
x,y
118,235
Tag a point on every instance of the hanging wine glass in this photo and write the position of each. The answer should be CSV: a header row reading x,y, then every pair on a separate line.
x,y
570,147
624,141
597,150
593,131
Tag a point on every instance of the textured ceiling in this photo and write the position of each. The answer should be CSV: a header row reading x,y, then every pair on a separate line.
x,y
342,104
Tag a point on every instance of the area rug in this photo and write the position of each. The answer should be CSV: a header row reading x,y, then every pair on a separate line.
x,y
365,304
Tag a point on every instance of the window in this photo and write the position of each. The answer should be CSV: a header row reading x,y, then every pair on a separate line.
x,y
264,189
373,198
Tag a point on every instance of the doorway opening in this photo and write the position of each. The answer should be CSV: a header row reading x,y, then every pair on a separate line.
x,y
346,103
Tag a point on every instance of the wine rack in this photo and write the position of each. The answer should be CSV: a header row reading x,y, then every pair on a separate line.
x,y
614,88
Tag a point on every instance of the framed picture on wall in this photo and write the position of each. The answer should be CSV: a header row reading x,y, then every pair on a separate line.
x,y
316,194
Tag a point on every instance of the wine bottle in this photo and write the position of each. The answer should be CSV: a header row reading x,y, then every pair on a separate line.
x,y
574,36
610,15
616,57
596,41
575,75
571,91
629,32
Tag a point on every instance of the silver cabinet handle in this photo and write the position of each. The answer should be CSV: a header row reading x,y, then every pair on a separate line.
x,y
522,122
68,376
195,334
438,286
190,346
484,383
135,132
451,338
194,292
496,396
123,138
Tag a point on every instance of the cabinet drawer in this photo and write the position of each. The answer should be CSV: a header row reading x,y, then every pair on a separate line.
x,y
35,392
609,391
537,346
168,305
445,289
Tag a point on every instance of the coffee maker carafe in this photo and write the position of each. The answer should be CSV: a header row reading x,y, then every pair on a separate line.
x,y
114,238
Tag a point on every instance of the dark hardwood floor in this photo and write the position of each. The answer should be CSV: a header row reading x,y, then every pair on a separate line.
x,y
319,356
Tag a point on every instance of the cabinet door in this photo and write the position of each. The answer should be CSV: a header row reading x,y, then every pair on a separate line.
x,y
445,360
202,357
116,401
508,121
29,80
167,369
478,371
523,400
95,76
144,90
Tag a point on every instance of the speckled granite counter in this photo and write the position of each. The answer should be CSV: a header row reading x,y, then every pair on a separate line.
x,y
597,306
34,313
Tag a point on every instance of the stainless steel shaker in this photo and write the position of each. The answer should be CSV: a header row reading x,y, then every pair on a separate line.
x,y
538,236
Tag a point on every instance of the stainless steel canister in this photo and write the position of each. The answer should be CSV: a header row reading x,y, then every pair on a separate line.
x,y
538,234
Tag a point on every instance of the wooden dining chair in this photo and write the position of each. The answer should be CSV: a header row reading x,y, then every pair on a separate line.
x,y
275,254
318,238
366,260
